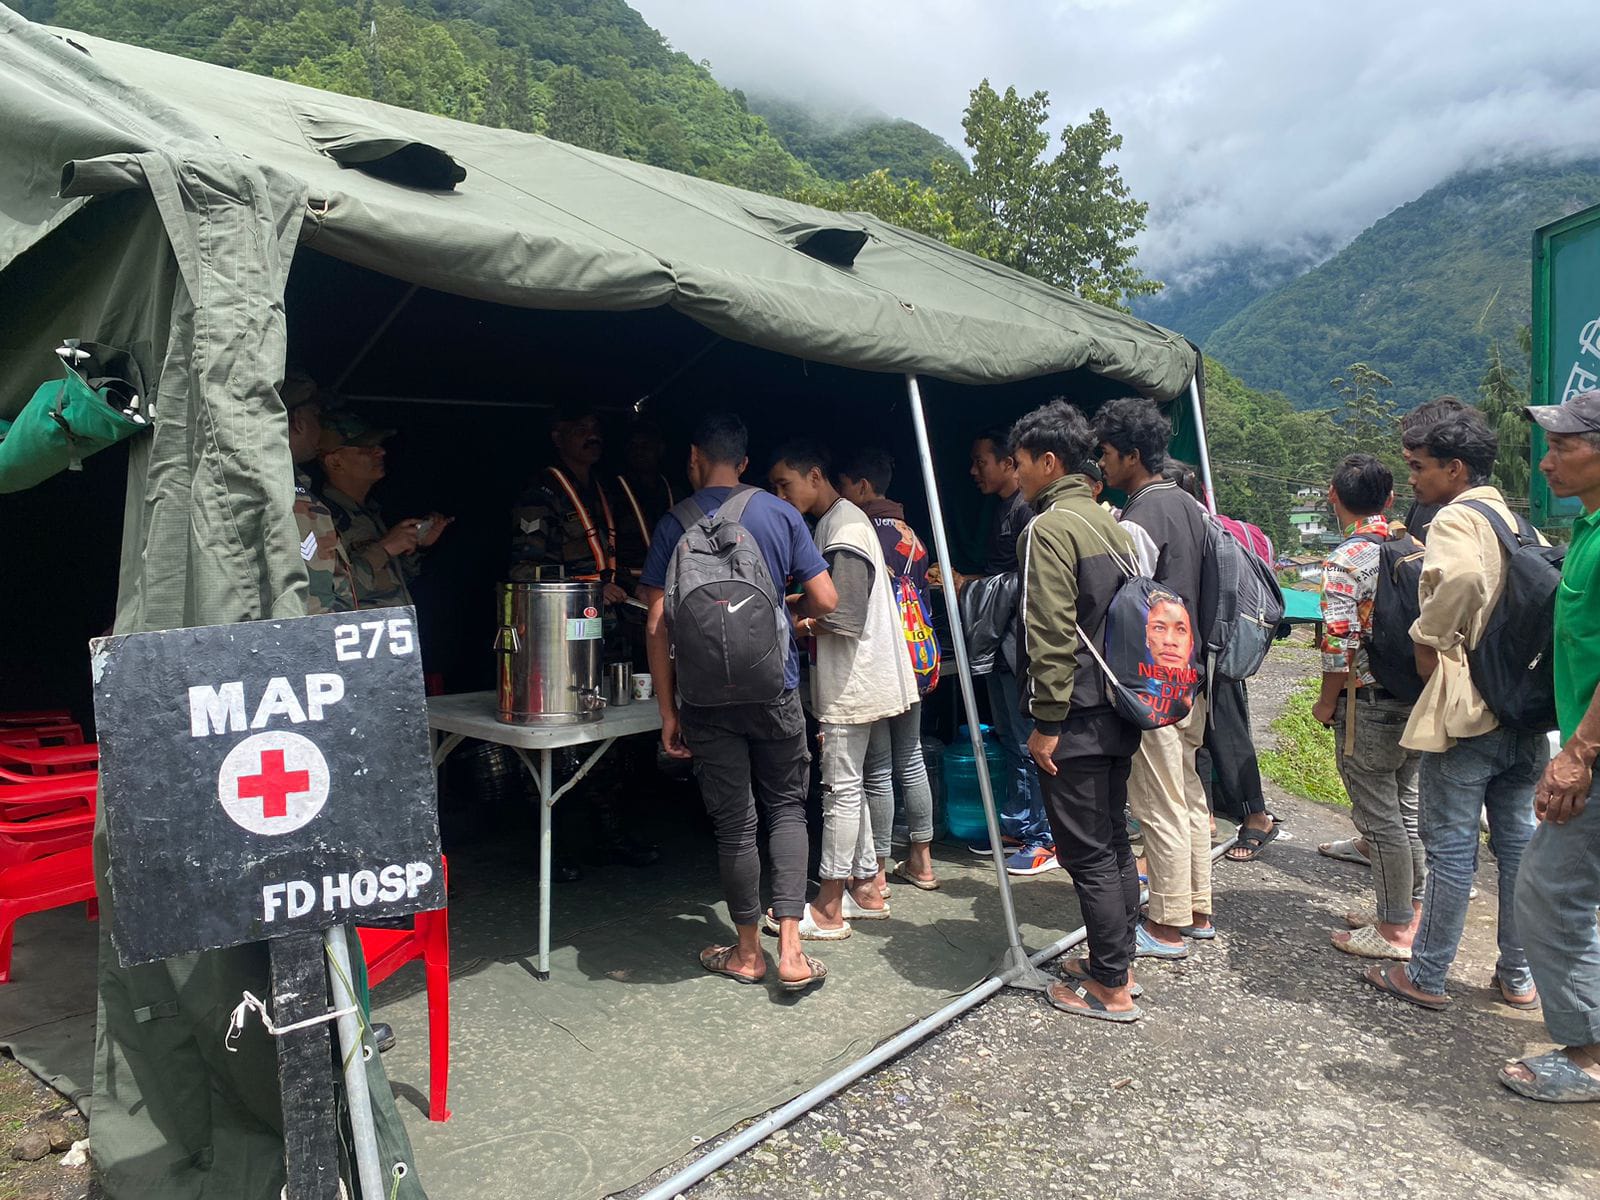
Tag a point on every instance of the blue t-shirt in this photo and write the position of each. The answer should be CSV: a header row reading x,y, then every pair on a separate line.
x,y
792,556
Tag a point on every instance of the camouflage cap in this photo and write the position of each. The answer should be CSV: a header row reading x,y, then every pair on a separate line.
x,y
343,427
1580,414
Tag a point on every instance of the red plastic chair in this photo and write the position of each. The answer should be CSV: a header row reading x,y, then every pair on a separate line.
x,y
38,837
42,759
24,796
35,716
387,950
66,734
45,883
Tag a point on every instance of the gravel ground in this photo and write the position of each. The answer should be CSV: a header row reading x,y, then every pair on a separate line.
x,y
1264,1067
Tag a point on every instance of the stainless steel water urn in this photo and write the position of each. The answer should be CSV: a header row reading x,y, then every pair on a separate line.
x,y
549,651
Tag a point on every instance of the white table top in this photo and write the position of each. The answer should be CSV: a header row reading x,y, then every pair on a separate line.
x,y
473,714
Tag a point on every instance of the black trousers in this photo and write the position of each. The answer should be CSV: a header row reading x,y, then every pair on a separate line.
x,y
748,756
1087,803
1234,783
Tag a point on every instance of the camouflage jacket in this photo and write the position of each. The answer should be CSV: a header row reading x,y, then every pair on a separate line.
x,y
548,530
327,566
380,578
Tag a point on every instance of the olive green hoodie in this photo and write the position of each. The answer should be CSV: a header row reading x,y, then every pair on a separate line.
x,y
1070,571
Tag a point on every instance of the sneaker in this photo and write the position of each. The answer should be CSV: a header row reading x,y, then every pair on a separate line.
x,y
980,846
1032,860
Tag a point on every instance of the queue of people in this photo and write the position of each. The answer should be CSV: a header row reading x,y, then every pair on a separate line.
x,y
738,584
1434,733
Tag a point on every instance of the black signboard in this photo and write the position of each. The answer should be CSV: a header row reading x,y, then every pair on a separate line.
x,y
264,779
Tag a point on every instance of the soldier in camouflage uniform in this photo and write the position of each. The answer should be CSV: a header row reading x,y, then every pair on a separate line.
x,y
565,519
327,567
383,559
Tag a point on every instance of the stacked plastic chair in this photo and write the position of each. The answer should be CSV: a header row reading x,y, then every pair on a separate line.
x,y
48,783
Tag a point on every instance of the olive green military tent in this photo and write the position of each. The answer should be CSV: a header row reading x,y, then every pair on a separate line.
x,y
157,204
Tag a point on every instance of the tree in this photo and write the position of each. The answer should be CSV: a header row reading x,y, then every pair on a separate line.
x,y
1502,395
1365,418
903,202
1068,220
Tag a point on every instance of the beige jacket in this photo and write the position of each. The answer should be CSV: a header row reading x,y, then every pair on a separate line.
x,y
1462,574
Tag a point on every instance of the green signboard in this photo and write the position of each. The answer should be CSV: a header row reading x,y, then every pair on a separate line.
x,y
1566,335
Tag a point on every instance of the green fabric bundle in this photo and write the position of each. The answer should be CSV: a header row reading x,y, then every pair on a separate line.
x,y
96,405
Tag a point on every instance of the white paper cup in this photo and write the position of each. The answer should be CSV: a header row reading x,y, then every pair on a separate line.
x,y
643,686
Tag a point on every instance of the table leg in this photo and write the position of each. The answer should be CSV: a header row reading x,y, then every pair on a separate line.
x,y
545,812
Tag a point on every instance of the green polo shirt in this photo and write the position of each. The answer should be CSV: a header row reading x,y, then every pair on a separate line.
x,y
1578,625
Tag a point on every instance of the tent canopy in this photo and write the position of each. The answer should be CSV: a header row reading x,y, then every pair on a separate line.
x,y
157,204
520,220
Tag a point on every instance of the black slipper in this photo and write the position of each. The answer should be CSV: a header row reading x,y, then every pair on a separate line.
x,y
1252,842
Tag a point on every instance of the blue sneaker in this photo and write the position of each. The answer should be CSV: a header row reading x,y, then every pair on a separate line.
x,y
1032,860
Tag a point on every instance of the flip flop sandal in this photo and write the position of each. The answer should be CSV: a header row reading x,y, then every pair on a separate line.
x,y
1345,851
905,876
1378,977
1091,1007
715,959
1252,842
1147,945
1199,933
818,974
1529,999
1556,1080
1076,970
1367,942
851,911
810,931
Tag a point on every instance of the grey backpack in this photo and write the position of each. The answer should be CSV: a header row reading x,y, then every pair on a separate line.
x,y
1248,604
730,637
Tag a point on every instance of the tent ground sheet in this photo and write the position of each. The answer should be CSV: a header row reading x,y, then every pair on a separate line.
x,y
630,1054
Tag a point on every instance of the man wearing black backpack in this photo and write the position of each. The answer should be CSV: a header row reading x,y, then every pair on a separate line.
x,y
1471,762
1379,775
753,753
1164,791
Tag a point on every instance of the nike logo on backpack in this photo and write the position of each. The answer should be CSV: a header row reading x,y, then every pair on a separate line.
x,y
733,608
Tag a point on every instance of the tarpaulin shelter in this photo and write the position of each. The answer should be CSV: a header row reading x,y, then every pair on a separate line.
x,y
158,204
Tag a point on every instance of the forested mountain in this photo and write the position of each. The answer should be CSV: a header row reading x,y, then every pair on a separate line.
x,y
1419,296
843,146
589,72
1222,290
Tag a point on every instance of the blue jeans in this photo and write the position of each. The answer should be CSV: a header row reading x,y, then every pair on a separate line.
x,y
1022,814
1496,772
1557,895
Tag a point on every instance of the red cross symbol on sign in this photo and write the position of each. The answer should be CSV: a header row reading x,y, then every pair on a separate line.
x,y
274,785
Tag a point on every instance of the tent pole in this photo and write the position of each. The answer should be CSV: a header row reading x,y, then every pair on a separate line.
x,y
366,346
755,1134
1016,955
1200,436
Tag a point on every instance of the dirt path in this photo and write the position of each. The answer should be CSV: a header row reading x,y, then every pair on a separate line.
x,y
1265,1068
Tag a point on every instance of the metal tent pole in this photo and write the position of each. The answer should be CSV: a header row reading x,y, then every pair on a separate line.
x,y
729,1150
363,1134
1200,435
1016,954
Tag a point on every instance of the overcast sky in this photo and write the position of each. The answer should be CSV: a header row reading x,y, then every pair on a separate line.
x,y
1245,122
